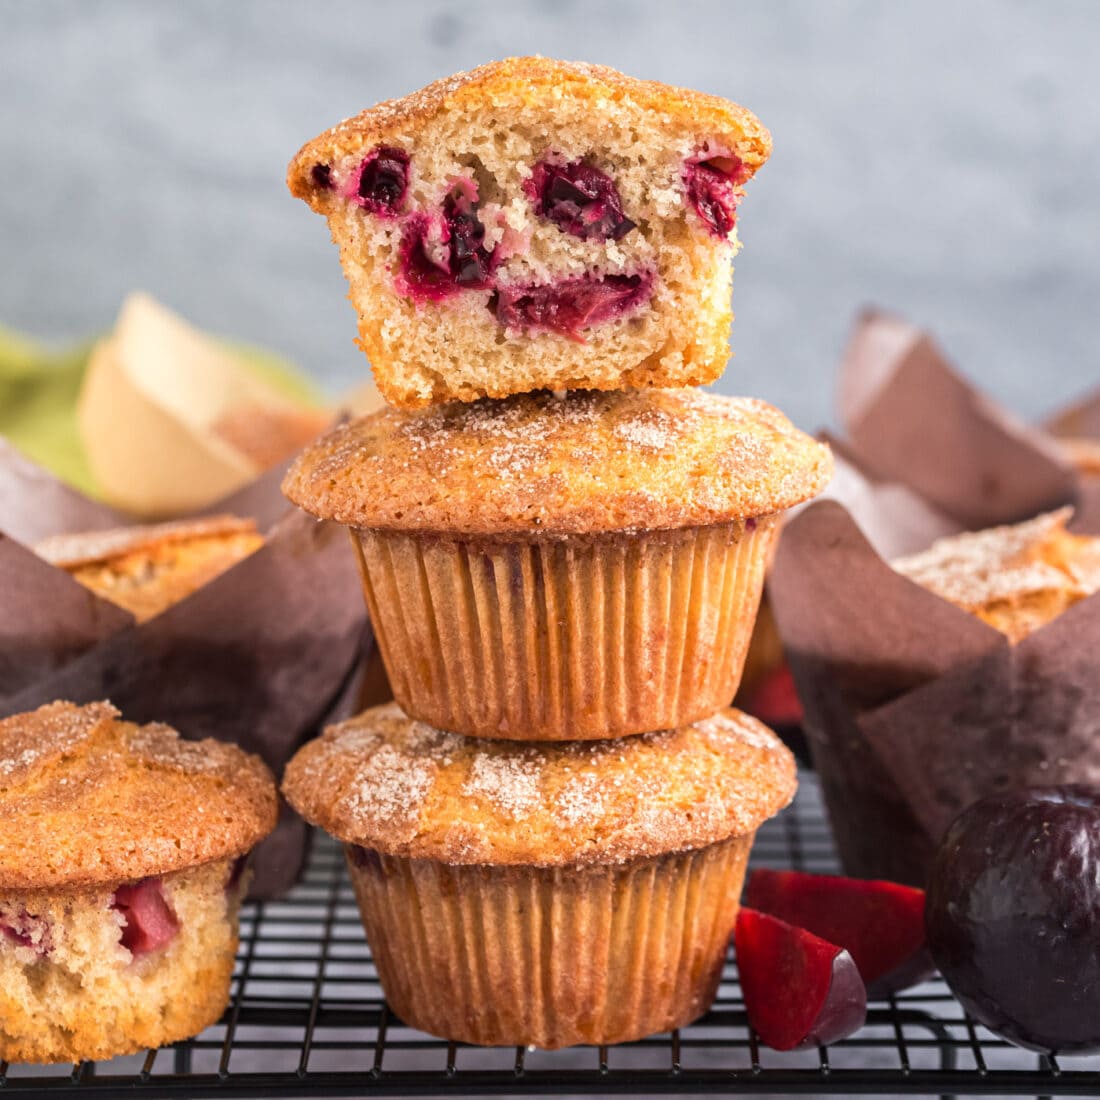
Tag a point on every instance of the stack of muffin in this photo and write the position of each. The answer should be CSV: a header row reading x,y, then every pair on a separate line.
x,y
547,832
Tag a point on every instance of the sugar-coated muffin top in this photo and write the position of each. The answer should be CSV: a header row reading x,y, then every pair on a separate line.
x,y
88,799
148,567
1016,578
524,82
385,781
538,464
1083,452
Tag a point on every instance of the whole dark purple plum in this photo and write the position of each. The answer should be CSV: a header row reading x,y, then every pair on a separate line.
x,y
1013,915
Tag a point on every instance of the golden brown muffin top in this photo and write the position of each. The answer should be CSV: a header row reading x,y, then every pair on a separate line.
x,y
87,799
527,81
1015,578
148,567
385,781
538,464
1083,452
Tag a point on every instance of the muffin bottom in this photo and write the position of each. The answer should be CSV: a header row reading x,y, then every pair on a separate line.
x,y
69,989
581,637
550,956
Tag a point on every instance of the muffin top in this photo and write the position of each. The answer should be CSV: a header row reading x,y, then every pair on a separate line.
x,y
542,464
385,781
1083,452
518,82
88,799
1016,578
148,567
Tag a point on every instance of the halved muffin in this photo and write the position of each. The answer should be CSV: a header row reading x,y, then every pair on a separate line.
x,y
537,224
121,875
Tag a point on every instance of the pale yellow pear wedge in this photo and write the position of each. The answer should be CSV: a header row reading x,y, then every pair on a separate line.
x,y
171,421
362,399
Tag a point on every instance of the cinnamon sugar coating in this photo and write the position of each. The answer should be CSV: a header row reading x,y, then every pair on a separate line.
x,y
524,80
148,567
538,464
1016,578
386,782
87,799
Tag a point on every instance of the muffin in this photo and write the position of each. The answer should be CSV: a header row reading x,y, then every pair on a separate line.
x,y
484,870
536,224
1083,452
147,568
1016,578
121,877
563,567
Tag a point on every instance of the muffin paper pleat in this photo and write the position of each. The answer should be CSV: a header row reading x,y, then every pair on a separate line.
x,y
916,420
550,956
565,639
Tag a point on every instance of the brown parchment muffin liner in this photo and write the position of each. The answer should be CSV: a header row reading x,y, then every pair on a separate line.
x,y
914,707
261,655
568,638
550,956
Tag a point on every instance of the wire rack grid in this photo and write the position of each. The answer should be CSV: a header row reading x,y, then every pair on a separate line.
x,y
307,1019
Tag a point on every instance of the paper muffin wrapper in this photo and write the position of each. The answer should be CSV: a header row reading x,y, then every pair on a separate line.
x,y
550,956
916,708
568,638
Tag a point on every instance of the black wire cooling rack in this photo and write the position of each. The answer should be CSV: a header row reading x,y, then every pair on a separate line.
x,y
307,1018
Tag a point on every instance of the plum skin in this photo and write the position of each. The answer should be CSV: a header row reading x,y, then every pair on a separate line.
x,y
881,924
1012,916
799,990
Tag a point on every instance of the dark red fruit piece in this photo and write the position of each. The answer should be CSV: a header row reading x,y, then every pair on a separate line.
x,y
149,924
799,990
383,180
434,266
27,930
775,699
1013,915
570,306
713,190
321,174
578,199
880,924
470,261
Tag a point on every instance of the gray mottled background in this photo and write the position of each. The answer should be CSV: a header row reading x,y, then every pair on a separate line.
x,y
940,158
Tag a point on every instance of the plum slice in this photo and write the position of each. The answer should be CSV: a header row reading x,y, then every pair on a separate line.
x,y
25,929
383,181
713,189
799,990
1013,915
880,924
579,199
775,699
571,305
148,922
